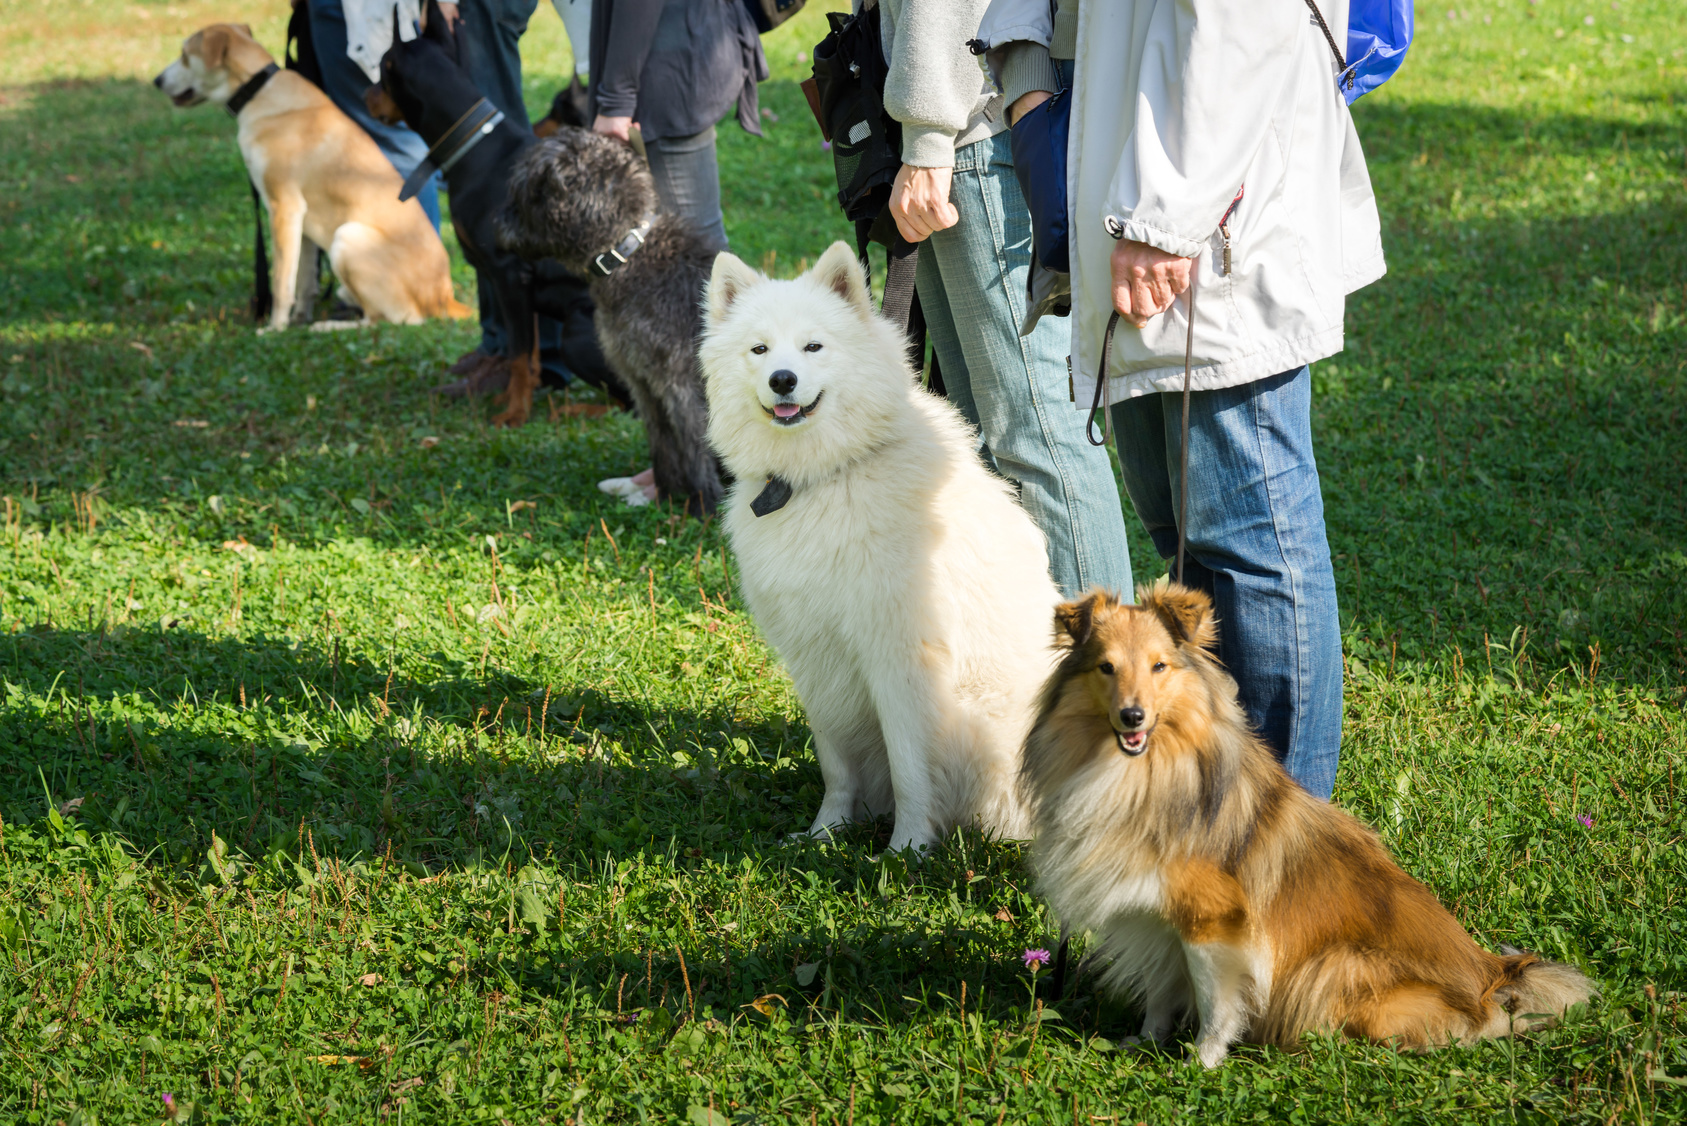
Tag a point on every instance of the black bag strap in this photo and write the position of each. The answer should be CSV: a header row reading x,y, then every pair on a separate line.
x,y
299,55
263,297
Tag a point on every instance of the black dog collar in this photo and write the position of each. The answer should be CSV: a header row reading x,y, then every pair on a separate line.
x,y
472,128
774,496
611,260
249,90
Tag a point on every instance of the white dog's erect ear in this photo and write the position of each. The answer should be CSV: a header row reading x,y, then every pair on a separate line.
x,y
728,280
840,271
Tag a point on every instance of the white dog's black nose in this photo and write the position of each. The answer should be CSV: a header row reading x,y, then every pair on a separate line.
x,y
1131,717
159,82
782,381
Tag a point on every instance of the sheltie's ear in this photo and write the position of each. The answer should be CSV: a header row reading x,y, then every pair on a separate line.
x,y
1187,614
1074,621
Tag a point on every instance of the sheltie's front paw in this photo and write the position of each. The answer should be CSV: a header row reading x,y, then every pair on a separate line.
x,y
1211,1052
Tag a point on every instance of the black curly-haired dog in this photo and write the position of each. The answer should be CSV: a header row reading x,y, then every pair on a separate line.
x,y
423,84
588,201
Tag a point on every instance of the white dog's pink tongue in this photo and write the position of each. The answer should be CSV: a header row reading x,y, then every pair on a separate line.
x,y
785,410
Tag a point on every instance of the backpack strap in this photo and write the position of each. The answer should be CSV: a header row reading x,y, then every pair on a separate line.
x,y
1341,60
263,297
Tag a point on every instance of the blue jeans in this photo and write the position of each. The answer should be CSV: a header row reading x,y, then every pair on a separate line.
x,y
344,82
1256,544
687,176
971,282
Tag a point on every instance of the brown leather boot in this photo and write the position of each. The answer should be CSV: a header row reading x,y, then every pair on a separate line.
x,y
489,377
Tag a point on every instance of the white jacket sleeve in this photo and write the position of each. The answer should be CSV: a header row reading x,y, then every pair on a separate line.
x,y
1209,83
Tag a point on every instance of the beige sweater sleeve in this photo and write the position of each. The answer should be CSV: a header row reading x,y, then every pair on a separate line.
x,y
936,87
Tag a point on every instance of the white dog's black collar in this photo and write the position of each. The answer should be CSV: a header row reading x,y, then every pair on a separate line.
x,y
774,496
249,90
613,259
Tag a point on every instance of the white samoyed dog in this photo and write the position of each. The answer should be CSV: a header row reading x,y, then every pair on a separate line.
x,y
898,578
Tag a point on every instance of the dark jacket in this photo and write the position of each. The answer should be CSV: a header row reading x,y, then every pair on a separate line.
x,y
675,66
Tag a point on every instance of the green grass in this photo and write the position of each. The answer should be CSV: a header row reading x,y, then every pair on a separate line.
x,y
418,779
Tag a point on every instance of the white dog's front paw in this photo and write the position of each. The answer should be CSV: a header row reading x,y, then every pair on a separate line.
x,y
627,489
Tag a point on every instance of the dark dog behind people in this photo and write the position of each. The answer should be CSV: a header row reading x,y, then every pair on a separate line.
x,y
422,83
586,200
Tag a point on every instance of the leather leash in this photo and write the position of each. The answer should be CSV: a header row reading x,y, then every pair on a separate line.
x,y
1183,446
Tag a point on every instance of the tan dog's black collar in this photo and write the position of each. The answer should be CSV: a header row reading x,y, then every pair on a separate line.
x,y
249,90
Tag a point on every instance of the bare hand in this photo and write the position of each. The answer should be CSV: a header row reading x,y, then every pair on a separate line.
x,y
451,16
621,128
919,202
1146,280
1025,103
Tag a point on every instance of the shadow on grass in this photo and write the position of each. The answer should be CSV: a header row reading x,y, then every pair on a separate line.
x,y
479,777
260,740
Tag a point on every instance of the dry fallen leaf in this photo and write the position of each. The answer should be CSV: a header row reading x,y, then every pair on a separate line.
x,y
404,1085
764,1004
429,442
369,979
364,1063
144,349
1003,916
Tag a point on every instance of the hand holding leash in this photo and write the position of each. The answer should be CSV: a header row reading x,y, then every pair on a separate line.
x,y
621,128
1146,280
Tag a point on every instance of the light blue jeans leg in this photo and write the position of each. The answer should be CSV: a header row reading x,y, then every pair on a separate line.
x,y
1256,544
344,82
687,176
971,282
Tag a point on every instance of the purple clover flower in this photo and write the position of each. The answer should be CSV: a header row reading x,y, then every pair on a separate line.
x,y
1035,959
1587,822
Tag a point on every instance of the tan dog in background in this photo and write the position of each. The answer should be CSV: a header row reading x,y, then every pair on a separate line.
x,y
322,178
1221,893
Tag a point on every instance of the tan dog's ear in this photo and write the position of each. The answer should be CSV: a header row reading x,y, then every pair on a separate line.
x,y
728,281
1074,621
1187,614
246,30
840,271
213,46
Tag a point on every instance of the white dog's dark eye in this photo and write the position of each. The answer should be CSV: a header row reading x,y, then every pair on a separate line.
x,y
811,346
1159,666
1105,668
760,349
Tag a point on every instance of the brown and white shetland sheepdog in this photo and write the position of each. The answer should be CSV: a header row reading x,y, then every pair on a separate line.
x,y
1217,890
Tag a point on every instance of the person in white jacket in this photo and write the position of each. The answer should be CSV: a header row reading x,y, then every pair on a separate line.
x,y
1197,125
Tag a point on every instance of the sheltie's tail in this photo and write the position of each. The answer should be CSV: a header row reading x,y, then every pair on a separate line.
x,y
1535,992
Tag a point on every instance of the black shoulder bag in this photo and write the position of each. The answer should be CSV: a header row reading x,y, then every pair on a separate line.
x,y
847,97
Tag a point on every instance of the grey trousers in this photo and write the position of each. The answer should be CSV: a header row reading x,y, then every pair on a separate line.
x,y
687,176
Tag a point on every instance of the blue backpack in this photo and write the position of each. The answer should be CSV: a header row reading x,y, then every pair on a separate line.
x,y
1378,33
